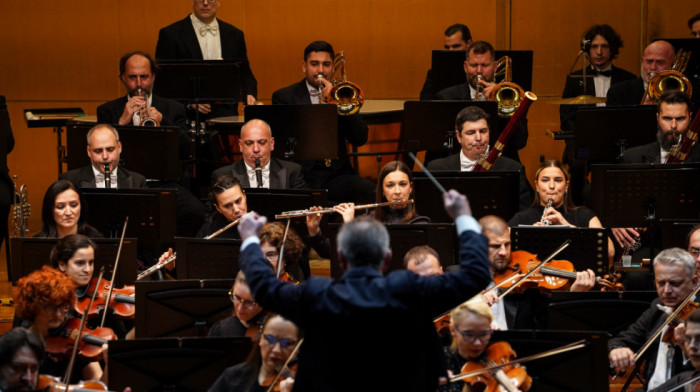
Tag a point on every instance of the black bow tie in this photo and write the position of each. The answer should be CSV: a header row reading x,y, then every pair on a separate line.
x,y
607,73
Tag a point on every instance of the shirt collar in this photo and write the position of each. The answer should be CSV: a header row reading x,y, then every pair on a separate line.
x,y
198,24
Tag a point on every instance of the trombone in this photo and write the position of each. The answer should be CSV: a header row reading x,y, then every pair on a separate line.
x,y
302,213
507,94
670,79
347,96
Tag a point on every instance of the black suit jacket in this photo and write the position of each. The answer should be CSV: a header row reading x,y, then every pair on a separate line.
x,y
651,153
518,140
179,42
283,174
452,163
85,178
629,92
173,115
350,128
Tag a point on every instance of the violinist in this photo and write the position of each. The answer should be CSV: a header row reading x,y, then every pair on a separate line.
x,y
247,314
691,341
694,246
423,260
44,298
62,212
74,255
228,199
20,354
279,337
674,275
552,183
271,242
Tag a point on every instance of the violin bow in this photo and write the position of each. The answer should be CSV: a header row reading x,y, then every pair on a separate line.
x,y
537,268
577,345
427,173
114,275
290,358
676,387
281,255
83,321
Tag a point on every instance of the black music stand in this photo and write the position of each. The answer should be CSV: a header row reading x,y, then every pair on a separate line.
x,y
441,237
302,132
603,134
152,214
430,125
173,364
588,248
608,311
583,370
674,232
181,307
195,81
489,193
30,254
137,155
198,258
448,68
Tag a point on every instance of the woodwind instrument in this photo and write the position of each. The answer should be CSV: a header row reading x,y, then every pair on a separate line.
x,y
544,221
108,176
302,213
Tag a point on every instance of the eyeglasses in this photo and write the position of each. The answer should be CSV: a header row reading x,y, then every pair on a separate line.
x,y
51,309
694,251
250,305
470,337
284,343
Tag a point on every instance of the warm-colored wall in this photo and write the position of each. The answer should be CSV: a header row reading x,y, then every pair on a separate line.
x,y
65,53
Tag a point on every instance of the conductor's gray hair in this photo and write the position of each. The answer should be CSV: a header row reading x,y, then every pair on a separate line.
x,y
363,242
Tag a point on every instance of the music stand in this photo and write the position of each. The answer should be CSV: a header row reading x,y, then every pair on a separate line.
x,y
602,134
674,232
302,132
489,193
608,311
164,166
583,370
441,237
448,67
430,125
199,80
152,214
173,308
30,254
269,202
588,248
198,258
173,364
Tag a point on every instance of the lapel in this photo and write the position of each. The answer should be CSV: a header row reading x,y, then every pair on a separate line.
x,y
301,93
652,154
87,178
454,162
189,39
227,44
278,175
238,170
124,180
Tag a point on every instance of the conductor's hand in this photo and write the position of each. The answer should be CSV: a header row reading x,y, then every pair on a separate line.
x,y
251,225
456,204
621,358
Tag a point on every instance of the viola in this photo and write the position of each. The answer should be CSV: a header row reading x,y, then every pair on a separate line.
x,y
555,275
510,378
53,384
122,301
89,346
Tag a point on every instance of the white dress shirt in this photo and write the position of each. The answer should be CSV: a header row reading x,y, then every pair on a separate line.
x,y
209,38
265,175
100,178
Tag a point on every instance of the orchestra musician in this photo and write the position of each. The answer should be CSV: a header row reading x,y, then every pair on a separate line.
x,y
657,56
674,275
336,175
694,247
256,144
423,260
691,341
457,37
228,198
481,62
402,302
202,36
44,298
61,212
247,314
279,337
294,262
472,129
21,352
694,25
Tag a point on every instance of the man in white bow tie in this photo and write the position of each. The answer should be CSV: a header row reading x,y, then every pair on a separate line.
x,y
201,36
256,144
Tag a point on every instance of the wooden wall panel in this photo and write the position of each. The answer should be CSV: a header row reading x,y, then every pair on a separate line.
x,y
670,19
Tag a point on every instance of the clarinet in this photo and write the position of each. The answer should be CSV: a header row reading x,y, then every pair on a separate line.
x,y
258,173
108,176
544,221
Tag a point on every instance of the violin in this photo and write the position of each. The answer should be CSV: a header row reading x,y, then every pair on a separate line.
x,y
683,313
122,300
53,384
288,369
555,275
89,346
510,378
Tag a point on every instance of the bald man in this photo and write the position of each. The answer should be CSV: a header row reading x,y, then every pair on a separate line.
x,y
657,56
256,143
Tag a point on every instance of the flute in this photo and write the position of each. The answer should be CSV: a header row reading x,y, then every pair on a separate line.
x,y
301,213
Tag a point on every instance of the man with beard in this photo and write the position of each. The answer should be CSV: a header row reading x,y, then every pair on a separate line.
x,y
20,354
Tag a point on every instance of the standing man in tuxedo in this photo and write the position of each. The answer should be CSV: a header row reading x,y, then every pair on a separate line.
x,y
256,144
202,36
457,37
337,175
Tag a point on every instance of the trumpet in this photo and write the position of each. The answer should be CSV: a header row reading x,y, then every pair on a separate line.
x,y
302,213
668,80
507,94
22,210
347,96
544,221
146,119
